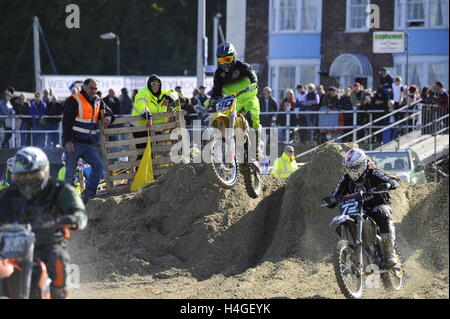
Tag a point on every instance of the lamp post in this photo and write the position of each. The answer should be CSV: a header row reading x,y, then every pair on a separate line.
x,y
112,36
201,30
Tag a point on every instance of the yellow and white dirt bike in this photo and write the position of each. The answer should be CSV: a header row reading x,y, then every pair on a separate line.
x,y
230,147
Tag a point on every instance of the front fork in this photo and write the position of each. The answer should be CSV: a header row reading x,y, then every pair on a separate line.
x,y
229,139
359,243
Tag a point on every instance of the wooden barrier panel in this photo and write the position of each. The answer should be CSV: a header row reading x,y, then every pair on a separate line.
x,y
119,152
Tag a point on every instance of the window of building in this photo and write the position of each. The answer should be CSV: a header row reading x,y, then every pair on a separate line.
x,y
437,72
356,15
309,15
295,15
414,72
421,14
288,15
415,15
286,80
288,73
423,70
438,13
307,74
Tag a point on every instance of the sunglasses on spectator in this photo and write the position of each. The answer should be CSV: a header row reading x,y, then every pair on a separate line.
x,y
225,59
155,84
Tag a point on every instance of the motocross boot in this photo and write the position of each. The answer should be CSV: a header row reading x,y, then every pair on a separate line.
x,y
389,249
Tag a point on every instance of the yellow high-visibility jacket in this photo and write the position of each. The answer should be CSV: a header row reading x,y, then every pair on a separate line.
x,y
146,101
284,166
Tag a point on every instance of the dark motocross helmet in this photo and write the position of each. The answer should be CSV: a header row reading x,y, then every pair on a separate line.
x,y
226,56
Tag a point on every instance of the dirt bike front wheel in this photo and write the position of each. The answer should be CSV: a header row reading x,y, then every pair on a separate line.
x,y
350,277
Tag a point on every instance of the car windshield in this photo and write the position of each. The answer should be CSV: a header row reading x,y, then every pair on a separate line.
x,y
391,161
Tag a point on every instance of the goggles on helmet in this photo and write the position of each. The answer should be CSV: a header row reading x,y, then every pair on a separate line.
x,y
225,59
29,180
354,168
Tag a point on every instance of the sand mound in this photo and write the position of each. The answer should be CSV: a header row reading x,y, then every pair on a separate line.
x,y
426,225
181,220
184,226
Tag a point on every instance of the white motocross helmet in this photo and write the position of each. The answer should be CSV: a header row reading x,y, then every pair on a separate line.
x,y
30,171
355,162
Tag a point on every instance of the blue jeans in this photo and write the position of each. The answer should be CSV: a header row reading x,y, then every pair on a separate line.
x,y
38,138
52,138
25,138
90,155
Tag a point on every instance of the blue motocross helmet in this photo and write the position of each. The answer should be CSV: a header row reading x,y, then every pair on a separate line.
x,y
226,56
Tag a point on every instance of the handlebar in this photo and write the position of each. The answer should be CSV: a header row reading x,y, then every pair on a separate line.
x,y
353,195
51,225
214,102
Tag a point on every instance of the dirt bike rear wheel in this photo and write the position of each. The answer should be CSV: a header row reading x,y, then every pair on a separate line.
x,y
223,174
252,180
344,263
394,279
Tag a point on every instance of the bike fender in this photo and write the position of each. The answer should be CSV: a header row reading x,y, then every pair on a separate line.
x,y
341,219
218,117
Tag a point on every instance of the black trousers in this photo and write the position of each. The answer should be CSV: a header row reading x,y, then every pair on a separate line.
x,y
381,215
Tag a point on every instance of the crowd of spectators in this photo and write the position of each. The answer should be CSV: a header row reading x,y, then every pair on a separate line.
x,y
392,94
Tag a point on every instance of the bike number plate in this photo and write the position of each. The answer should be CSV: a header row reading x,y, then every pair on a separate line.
x,y
225,104
350,207
14,244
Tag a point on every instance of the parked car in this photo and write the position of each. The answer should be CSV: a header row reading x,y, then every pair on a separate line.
x,y
403,163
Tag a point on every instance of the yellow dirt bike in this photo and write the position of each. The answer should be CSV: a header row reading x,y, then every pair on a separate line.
x,y
230,147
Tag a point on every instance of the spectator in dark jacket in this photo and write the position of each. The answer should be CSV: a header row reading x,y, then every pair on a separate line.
x,y
54,108
345,104
386,81
426,95
311,103
47,96
114,105
185,106
379,103
37,111
361,101
6,108
331,100
126,104
267,104
427,111
202,95
442,98
197,102
321,92
23,108
112,101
